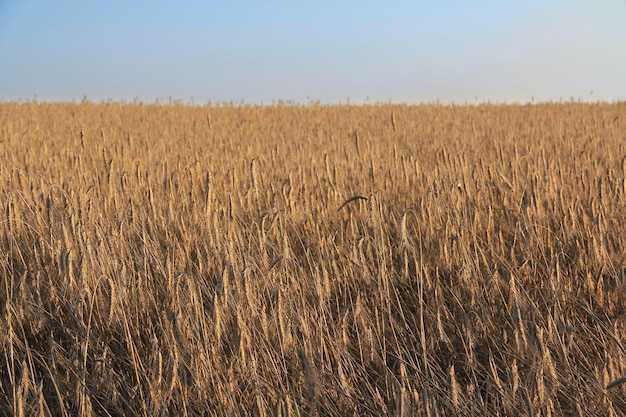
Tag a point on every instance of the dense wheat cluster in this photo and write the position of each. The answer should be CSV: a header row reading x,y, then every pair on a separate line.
x,y
330,260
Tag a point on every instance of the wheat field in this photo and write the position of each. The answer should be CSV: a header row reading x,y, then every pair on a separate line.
x,y
312,260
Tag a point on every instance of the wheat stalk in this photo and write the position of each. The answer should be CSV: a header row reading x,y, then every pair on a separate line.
x,y
351,199
616,382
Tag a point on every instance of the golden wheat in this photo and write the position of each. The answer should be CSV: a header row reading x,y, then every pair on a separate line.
x,y
330,260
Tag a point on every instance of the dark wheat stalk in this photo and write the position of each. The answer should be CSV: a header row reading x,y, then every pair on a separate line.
x,y
616,382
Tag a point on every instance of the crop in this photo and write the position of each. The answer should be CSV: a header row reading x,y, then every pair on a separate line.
x,y
300,260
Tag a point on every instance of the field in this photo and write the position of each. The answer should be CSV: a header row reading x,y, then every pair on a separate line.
x,y
332,260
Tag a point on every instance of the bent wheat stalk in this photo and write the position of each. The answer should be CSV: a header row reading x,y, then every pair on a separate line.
x,y
351,199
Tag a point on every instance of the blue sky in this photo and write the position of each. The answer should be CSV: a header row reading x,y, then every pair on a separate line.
x,y
260,51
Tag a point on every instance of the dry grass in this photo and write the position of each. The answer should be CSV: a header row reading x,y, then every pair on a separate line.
x,y
170,260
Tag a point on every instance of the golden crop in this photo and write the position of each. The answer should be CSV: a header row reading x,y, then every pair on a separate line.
x,y
331,260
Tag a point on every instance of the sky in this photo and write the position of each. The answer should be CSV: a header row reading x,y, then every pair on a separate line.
x,y
313,51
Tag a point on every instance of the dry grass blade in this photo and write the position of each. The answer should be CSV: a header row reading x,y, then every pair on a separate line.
x,y
616,382
351,199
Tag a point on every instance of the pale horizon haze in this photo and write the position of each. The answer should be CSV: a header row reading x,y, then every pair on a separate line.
x,y
331,52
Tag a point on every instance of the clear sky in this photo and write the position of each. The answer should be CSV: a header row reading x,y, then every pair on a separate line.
x,y
328,51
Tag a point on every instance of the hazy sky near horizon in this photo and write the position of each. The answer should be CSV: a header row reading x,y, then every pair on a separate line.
x,y
260,51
